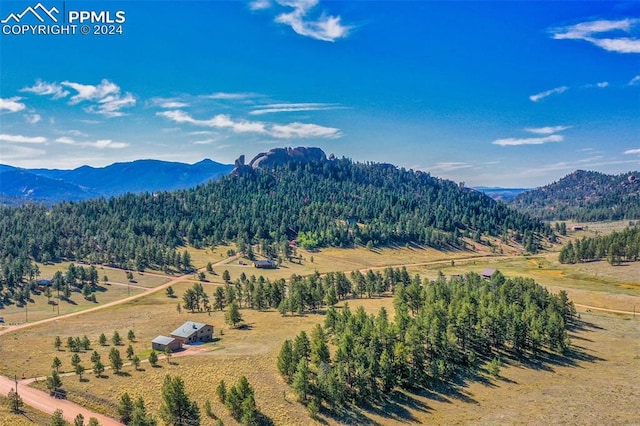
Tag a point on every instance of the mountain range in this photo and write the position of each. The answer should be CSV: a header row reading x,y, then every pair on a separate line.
x,y
48,186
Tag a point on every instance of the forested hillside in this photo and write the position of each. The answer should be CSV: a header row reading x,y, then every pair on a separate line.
x,y
584,196
327,203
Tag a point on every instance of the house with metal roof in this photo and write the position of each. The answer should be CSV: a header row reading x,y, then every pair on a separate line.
x,y
265,264
191,332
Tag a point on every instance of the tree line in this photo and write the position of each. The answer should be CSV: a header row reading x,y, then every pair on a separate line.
x,y
615,248
440,328
296,296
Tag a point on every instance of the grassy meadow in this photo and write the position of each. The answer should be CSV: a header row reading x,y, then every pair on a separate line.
x,y
596,384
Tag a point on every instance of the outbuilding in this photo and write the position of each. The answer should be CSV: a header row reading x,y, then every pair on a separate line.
x,y
487,273
161,343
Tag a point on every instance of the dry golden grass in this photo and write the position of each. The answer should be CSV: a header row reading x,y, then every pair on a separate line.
x,y
40,309
566,395
29,416
585,390
200,257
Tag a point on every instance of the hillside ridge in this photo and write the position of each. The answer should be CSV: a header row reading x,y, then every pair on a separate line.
x,y
584,196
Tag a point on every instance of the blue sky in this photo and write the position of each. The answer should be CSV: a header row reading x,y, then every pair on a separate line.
x,y
490,93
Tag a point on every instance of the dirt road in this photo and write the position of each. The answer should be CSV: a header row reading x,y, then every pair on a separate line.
x,y
43,402
595,308
47,404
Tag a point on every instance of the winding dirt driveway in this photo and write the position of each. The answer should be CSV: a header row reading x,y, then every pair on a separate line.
x,y
42,401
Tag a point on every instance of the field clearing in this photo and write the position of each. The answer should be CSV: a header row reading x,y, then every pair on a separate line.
x,y
40,309
593,228
152,279
200,257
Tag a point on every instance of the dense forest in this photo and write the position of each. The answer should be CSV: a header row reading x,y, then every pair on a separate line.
x,y
441,328
584,196
328,203
615,247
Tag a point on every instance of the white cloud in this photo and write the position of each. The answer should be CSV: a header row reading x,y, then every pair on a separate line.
x,y
293,107
87,92
32,118
111,105
635,81
528,141
43,88
602,84
632,151
260,4
449,166
174,104
593,30
107,96
546,130
167,102
302,130
99,144
11,104
205,142
74,133
325,28
286,131
228,96
542,95
22,139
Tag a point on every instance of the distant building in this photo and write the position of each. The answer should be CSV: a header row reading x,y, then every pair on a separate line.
x,y
191,332
265,264
161,343
43,283
487,273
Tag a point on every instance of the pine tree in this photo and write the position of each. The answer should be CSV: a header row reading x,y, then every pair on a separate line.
x,y
301,380
125,408
15,401
153,358
286,367
116,339
115,360
56,364
177,409
57,419
221,391
57,343
233,316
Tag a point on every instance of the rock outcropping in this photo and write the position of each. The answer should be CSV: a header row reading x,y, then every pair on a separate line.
x,y
279,156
